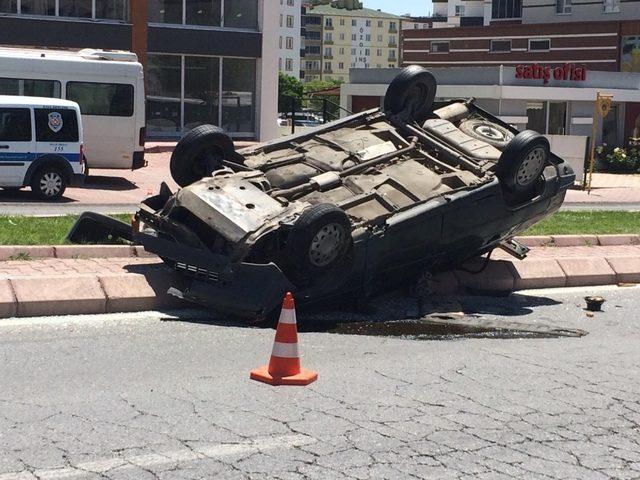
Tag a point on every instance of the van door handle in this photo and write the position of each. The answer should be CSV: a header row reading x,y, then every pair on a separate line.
x,y
4,146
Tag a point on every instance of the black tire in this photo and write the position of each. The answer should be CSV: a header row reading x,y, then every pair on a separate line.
x,y
200,152
307,250
48,183
487,131
411,94
523,161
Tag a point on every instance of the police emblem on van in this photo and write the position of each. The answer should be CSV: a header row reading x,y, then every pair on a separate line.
x,y
55,122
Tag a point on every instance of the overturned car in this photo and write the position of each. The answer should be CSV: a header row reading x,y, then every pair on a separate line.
x,y
351,207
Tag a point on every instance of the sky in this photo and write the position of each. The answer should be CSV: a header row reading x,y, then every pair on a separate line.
x,y
415,7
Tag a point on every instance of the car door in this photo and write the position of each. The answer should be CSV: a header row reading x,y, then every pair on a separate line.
x,y
16,145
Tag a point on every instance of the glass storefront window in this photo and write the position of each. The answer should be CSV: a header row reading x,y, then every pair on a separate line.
x,y
238,95
8,6
112,9
165,11
164,73
201,91
204,12
38,7
74,8
241,13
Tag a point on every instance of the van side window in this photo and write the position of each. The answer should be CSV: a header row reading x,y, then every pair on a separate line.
x,y
30,87
106,99
15,125
56,125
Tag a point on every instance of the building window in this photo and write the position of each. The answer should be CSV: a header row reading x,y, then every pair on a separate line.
x,y
291,3
205,100
8,6
328,52
506,9
237,13
289,43
353,51
392,26
379,52
380,24
501,46
547,117
280,64
367,52
328,22
392,54
353,37
280,42
38,7
327,66
112,9
392,40
341,50
289,21
379,38
342,36
288,65
353,23
439,47
368,23
341,65
102,99
539,45
74,8
459,11
563,6
202,12
342,22
367,38
328,37
611,6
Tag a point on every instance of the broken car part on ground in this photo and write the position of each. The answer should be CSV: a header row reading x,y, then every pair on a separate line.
x,y
351,207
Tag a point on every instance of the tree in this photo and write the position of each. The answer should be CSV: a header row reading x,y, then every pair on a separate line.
x,y
289,87
314,91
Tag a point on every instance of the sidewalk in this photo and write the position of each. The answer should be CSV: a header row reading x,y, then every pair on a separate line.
x,y
608,188
59,286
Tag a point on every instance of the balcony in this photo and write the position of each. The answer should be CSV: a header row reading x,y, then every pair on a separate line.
x,y
327,71
328,42
393,30
392,59
328,57
328,27
393,44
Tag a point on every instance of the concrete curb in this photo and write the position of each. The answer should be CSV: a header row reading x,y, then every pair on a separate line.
x,y
132,292
18,252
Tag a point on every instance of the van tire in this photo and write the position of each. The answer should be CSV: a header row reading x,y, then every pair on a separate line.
x,y
199,153
48,183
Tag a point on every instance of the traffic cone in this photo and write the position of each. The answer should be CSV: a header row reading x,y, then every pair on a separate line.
x,y
284,365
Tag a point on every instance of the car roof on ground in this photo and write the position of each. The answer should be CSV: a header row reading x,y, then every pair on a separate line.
x,y
36,101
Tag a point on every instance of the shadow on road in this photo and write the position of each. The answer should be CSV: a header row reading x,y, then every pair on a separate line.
x,y
101,182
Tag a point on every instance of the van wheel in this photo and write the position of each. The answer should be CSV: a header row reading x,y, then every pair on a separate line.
x,y
523,161
48,183
201,152
411,94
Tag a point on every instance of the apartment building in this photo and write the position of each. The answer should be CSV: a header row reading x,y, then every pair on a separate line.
x,y
339,38
206,62
290,37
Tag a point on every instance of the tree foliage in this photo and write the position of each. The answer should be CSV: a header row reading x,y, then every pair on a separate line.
x,y
289,87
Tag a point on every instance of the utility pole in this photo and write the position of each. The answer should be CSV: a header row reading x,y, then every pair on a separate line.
x,y
138,13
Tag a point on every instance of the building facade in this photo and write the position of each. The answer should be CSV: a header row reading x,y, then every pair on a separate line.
x,y
290,37
337,39
206,62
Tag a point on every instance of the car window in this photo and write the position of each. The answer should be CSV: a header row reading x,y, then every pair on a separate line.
x,y
30,87
15,125
107,99
56,125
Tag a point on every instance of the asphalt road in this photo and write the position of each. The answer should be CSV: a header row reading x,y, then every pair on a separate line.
x,y
151,396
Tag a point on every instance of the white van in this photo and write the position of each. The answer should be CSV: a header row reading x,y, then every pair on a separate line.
x,y
40,145
108,86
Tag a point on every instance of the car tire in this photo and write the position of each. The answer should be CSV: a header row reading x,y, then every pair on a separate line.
x,y
523,161
486,131
48,183
319,240
200,152
411,94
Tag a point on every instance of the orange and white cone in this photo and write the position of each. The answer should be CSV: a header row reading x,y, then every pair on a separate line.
x,y
284,365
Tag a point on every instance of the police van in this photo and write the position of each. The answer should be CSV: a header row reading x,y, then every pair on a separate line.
x,y
40,145
108,85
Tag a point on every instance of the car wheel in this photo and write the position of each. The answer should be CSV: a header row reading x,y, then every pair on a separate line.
x,y
319,240
523,161
201,152
488,132
48,183
411,94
